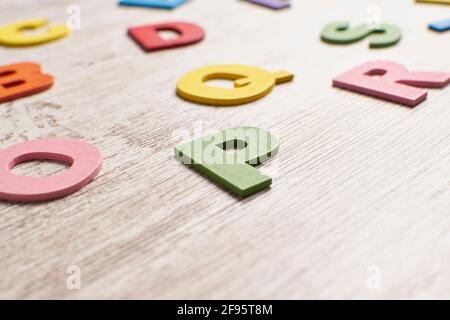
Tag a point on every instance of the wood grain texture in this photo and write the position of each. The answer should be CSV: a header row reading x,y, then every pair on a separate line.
x,y
358,182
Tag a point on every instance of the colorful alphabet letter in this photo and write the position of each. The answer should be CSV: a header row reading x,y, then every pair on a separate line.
x,y
435,1
12,35
381,36
159,4
391,81
250,84
272,4
22,79
84,159
440,26
149,40
232,170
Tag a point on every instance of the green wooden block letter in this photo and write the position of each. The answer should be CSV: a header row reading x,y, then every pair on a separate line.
x,y
383,35
228,158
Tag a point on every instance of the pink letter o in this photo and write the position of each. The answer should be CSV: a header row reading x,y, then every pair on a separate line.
x,y
84,159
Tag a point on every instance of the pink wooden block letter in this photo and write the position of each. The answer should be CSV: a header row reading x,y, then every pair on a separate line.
x,y
84,159
391,81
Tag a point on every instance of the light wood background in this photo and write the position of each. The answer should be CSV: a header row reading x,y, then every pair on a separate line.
x,y
361,187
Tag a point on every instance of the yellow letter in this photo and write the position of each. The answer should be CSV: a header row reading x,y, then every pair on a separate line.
x,y
250,84
11,35
435,1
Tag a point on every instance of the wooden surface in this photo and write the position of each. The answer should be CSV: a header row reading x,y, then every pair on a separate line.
x,y
359,184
